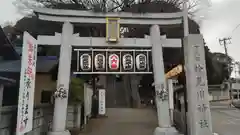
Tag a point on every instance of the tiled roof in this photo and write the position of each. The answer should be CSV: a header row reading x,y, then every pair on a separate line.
x,y
44,65
6,81
6,49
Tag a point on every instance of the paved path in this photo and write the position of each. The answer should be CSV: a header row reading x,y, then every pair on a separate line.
x,y
226,121
121,121
124,122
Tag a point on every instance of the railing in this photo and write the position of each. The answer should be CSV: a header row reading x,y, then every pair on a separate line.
x,y
179,120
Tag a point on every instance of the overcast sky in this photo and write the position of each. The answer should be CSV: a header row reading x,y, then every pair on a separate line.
x,y
222,17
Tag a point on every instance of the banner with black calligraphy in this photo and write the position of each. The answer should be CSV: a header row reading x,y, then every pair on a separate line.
x,y
27,85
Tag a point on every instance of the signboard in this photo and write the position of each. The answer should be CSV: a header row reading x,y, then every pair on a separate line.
x,y
112,61
102,102
27,85
174,72
112,29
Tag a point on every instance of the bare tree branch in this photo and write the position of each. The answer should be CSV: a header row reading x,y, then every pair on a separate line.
x,y
75,2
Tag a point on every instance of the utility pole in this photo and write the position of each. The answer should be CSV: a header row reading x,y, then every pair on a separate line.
x,y
225,42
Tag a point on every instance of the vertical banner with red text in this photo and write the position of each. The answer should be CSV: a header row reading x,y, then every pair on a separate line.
x,y
27,85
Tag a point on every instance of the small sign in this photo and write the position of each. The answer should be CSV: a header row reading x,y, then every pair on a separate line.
x,y
112,29
102,102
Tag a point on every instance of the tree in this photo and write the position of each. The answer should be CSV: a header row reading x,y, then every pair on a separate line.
x,y
222,64
76,91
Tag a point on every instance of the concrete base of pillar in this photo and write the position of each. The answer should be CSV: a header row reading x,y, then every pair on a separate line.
x,y
165,131
59,133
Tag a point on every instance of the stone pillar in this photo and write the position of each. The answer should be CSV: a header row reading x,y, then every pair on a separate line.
x,y
160,85
78,121
199,115
61,95
170,96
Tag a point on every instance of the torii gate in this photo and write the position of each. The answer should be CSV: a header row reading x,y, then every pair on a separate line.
x,y
199,111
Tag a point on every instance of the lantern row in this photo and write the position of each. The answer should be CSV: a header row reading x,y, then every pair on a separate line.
x,y
113,61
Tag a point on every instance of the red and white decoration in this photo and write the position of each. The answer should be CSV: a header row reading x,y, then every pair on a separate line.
x,y
113,61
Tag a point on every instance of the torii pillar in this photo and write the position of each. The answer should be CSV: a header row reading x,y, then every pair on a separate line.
x,y
61,103
162,103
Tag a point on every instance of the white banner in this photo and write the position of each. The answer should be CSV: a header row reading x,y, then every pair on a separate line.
x,y
102,102
27,85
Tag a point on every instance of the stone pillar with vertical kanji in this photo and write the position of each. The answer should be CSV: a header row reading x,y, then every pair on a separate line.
x,y
199,115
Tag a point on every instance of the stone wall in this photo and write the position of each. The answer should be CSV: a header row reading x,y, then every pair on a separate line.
x,y
74,119
219,95
77,116
42,119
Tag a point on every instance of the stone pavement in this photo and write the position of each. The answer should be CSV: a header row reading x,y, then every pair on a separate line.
x,y
226,120
124,121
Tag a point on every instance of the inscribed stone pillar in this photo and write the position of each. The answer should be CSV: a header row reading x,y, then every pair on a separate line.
x,y
199,115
